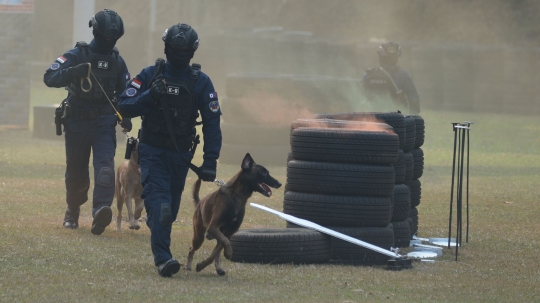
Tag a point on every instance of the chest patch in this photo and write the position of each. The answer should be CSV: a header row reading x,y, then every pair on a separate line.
x,y
173,90
103,64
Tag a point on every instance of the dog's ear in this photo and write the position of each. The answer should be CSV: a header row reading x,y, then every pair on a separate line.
x,y
248,162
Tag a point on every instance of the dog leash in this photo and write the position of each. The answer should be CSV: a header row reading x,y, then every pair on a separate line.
x,y
101,87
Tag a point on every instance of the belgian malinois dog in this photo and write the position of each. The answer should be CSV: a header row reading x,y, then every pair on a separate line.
x,y
128,187
220,214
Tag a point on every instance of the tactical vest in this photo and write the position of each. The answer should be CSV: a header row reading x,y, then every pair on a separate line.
x,y
182,101
376,81
105,69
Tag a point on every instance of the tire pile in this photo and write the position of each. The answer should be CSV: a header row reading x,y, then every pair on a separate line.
x,y
344,175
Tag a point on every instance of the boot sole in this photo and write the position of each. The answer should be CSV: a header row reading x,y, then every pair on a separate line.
x,y
170,269
101,220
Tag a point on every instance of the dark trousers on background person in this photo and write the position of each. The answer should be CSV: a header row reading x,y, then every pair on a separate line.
x,y
163,176
82,137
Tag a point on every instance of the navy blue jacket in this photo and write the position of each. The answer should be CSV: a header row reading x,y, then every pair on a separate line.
x,y
137,101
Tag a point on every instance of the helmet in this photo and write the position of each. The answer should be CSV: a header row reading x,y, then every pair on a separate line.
x,y
181,37
389,49
108,24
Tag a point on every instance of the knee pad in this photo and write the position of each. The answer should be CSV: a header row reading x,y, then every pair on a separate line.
x,y
105,177
166,215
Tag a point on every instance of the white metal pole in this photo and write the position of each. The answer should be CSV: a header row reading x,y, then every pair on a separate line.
x,y
317,227
83,10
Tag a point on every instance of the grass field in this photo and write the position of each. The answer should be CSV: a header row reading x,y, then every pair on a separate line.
x,y
42,262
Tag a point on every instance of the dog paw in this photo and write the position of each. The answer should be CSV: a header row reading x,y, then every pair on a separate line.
x,y
187,268
220,272
135,227
199,267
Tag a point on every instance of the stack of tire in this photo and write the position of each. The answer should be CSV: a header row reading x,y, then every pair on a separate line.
x,y
403,168
415,184
340,175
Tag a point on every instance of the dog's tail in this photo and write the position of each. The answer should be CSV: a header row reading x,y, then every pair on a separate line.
x,y
196,189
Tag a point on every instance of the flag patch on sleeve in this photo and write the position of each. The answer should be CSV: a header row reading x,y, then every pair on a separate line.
x,y
61,59
213,96
136,83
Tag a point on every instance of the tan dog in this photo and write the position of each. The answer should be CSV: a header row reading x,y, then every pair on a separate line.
x,y
128,187
220,214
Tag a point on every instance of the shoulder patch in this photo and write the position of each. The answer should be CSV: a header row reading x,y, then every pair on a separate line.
x,y
130,92
55,66
136,82
214,106
61,59
213,96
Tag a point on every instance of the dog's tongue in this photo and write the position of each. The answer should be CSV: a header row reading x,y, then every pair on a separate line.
x,y
267,189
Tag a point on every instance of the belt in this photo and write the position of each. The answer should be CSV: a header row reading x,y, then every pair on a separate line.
x,y
158,140
88,114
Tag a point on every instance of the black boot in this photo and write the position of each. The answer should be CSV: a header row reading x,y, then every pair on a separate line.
x,y
102,219
71,218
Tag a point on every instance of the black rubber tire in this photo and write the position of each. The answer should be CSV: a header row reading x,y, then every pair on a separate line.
x,y
420,131
416,192
280,245
413,216
396,120
402,202
418,158
344,252
342,179
402,233
332,123
252,134
345,211
410,133
264,155
399,168
409,167
344,145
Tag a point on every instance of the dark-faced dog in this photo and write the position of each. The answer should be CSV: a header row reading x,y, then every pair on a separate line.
x,y
220,214
128,187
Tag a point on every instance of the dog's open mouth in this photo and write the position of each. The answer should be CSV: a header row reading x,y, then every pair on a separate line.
x,y
265,189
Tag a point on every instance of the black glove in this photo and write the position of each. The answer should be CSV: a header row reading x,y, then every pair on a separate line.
x,y
158,88
79,71
207,174
126,124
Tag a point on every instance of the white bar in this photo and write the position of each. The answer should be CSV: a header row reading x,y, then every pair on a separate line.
x,y
83,10
317,227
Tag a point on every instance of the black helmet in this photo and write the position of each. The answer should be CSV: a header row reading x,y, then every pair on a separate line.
x,y
108,24
181,37
389,49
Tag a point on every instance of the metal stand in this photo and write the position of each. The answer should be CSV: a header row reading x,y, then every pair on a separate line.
x,y
461,138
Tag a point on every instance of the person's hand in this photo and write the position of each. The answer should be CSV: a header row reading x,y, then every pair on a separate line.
x,y
126,125
158,88
207,174
79,71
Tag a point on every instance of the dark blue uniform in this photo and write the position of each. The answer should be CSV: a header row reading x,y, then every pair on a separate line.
x,y
89,126
163,168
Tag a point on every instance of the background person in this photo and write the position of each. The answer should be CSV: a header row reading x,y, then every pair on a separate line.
x,y
90,119
391,81
170,96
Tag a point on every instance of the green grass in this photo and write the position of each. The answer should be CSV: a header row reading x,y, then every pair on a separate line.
x,y
42,262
